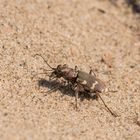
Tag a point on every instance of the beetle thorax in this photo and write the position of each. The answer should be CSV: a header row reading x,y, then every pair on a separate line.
x,y
69,73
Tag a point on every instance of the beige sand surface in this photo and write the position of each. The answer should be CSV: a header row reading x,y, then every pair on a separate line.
x,y
85,33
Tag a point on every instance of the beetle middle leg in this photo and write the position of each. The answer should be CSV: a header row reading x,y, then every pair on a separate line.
x,y
76,89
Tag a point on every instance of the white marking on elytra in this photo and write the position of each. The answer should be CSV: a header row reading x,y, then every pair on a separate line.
x,y
84,82
94,84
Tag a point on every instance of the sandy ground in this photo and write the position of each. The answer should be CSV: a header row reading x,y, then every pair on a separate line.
x,y
87,33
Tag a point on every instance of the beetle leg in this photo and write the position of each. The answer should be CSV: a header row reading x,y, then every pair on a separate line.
x,y
76,88
112,113
52,76
76,68
65,65
91,72
76,98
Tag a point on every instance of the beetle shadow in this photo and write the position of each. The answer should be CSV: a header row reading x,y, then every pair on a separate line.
x,y
54,86
64,89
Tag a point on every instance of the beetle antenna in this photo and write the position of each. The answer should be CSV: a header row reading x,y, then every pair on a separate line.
x,y
44,60
107,106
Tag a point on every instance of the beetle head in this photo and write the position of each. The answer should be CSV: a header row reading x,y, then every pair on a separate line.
x,y
59,71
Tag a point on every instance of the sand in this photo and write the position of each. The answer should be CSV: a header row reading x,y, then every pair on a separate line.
x,y
88,33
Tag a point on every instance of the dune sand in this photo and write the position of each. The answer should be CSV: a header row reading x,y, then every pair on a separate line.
x,y
86,33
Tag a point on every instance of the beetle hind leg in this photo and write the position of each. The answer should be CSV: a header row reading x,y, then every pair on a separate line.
x,y
112,113
91,72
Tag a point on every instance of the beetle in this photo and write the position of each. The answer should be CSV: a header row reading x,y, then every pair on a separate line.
x,y
81,81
